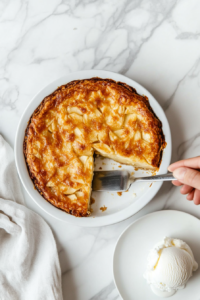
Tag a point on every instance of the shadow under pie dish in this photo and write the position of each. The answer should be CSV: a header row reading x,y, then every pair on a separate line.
x,y
78,119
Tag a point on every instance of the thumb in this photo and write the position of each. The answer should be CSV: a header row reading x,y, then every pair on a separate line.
x,y
188,176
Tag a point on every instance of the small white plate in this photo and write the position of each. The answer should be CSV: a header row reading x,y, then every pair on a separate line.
x,y
134,244
118,207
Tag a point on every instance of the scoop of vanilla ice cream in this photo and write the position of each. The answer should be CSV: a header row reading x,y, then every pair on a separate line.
x,y
170,265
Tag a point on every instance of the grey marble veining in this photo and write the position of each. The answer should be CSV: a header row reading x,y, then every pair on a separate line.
x,y
156,43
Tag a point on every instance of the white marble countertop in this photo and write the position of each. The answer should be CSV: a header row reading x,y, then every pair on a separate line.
x,y
156,43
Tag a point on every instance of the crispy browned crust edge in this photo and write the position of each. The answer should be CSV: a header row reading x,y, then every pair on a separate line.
x,y
40,107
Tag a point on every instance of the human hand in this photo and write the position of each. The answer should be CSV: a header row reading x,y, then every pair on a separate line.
x,y
187,173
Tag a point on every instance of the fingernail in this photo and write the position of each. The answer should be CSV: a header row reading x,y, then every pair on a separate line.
x,y
179,173
169,168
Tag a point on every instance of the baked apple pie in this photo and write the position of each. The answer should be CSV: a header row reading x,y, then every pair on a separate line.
x,y
78,119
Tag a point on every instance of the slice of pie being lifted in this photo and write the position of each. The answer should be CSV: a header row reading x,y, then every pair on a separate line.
x,y
79,118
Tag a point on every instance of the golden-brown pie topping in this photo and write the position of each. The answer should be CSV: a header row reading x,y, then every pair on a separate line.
x,y
79,118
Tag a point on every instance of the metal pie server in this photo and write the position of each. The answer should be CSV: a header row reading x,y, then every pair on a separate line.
x,y
122,180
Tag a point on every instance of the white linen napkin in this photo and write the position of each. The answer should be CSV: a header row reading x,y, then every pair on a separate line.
x,y
29,265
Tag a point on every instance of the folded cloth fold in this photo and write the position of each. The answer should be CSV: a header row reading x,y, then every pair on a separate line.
x,y
29,264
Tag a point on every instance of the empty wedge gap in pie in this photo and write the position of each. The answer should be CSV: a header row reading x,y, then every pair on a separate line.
x,y
78,119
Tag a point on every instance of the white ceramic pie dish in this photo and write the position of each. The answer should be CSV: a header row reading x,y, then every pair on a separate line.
x,y
118,208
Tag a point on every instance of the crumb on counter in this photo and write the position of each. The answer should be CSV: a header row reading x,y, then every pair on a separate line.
x,y
134,195
92,201
119,193
100,168
103,208
150,184
132,173
119,166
